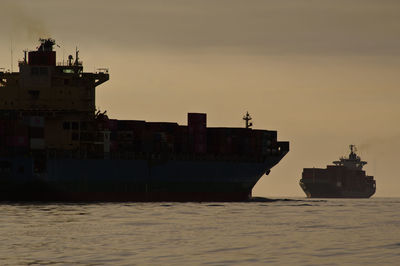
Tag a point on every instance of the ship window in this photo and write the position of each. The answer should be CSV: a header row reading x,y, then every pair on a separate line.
x,y
44,71
75,125
66,125
34,71
66,70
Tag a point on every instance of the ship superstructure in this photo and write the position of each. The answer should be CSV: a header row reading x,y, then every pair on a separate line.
x,y
54,145
345,179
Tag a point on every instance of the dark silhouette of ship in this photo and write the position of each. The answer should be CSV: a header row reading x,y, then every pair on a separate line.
x,y
344,179
55,145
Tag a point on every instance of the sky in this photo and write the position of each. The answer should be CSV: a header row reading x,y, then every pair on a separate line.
x,y
324,74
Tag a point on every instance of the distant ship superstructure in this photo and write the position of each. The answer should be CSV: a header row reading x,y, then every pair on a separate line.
x,y
54,145
344,179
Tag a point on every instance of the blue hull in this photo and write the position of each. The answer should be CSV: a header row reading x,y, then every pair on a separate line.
x,y
131,180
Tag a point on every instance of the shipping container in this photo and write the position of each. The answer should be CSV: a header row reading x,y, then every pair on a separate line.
x,y
36,132
197,119
130,125
197,129
17,141
37,144
34,121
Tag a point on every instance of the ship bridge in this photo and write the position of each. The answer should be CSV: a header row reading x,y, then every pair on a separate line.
x,y
43,85
61,94
353,161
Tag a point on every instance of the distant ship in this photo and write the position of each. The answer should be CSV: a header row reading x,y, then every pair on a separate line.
x,y
55,146
344,179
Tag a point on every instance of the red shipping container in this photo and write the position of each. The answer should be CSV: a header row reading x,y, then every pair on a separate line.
x,y
197,120
17,141
197,129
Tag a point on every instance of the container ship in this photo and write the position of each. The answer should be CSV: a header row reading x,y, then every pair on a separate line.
x,y
344,179
55,145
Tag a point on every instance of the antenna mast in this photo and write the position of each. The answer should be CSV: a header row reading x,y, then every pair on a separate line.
x,y
248,118
76,56
353,148
12,64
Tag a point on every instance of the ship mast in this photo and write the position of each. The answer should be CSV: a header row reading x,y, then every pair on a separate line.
x,y
248,118
352,147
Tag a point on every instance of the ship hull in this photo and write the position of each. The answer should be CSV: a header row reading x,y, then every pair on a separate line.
x,y
132,180
326,190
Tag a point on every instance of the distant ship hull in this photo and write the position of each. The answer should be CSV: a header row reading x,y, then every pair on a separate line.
x,y
132,180
321,190
344,179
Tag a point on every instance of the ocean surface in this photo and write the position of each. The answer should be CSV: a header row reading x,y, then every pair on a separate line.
x,y
284,231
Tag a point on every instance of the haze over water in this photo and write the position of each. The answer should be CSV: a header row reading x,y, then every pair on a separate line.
x,y
283,232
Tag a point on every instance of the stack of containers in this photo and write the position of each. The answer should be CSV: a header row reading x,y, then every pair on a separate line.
x,y
248,142
36,132
14,135
256,140
129,135
225,140
212,141
112,127
266,142
221,140
163,135
181,140
138,128
239,140
2,136
197,130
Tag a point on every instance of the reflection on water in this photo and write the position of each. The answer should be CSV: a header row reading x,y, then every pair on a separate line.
x,y
277,231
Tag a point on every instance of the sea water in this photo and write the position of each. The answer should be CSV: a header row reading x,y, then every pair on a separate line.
x,y
294,231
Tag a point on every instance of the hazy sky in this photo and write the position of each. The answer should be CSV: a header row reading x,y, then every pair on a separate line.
x,y
322,73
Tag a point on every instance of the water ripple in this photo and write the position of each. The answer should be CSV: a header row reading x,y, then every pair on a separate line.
x,y
278,231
